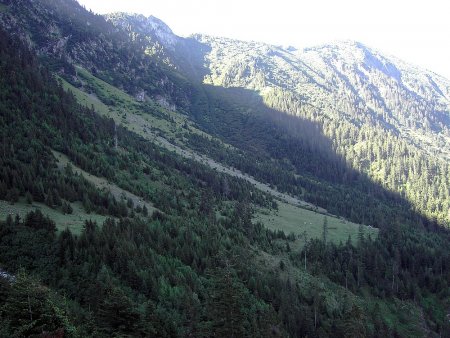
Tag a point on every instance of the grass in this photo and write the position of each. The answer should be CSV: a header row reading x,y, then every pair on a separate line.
x,y
292,219
126,105
124,109
85,99
103,184
74,221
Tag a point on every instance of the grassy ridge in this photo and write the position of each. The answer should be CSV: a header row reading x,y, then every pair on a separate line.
x,y
74,222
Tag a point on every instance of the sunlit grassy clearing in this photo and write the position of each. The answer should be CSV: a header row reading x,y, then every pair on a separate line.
x,y
292,219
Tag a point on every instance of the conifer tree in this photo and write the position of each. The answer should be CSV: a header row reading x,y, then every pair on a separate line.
x,y
325,230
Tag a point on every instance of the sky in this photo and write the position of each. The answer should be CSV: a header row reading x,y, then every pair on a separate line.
x,y
415,31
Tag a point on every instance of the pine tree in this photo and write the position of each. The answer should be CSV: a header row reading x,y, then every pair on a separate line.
x,y
325,230
67,208
117,316
28,197
305,238
317,303
144,210
227,305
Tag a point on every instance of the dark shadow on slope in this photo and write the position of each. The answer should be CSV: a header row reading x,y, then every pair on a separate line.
x,y
191,57
289,152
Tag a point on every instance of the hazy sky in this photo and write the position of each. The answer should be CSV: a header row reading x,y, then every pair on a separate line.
x,y
415,31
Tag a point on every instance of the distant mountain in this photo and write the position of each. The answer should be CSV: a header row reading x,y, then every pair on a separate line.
x,y
346,81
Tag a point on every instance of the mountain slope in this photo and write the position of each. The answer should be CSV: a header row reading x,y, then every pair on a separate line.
x,y
37,116
149,27
200,265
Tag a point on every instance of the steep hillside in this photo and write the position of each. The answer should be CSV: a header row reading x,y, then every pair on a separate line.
x,y
156,32
228,208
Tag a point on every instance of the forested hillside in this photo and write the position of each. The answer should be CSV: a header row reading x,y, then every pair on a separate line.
x,y
92,106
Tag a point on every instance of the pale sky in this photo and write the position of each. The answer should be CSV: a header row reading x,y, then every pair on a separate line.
x,y
415,31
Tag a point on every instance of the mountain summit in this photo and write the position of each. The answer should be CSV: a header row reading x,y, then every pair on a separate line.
x,y
149,26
